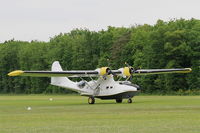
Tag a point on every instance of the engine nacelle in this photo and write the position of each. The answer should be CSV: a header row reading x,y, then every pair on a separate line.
x,y
103,70
126,71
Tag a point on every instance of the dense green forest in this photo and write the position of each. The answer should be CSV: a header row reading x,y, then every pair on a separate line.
x,y
173,44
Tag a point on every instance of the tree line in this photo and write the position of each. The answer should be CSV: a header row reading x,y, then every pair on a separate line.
x,y
172,44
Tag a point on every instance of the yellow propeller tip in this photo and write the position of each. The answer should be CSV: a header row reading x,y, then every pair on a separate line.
x,y
15,73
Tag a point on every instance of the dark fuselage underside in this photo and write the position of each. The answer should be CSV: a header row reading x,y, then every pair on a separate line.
x,y
124,95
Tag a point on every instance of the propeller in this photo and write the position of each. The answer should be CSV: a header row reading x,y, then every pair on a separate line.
x,y
131,71
109,71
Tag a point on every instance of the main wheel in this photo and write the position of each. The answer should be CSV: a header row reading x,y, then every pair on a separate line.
x,y
91,100
130,100
118,100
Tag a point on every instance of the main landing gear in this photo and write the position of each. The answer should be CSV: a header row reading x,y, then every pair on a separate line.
x,y
120,100
91,100
129,100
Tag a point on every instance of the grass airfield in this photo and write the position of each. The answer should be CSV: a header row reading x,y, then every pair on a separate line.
x,y
72,114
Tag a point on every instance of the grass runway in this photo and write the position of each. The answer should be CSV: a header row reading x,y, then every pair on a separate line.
x,y
72,114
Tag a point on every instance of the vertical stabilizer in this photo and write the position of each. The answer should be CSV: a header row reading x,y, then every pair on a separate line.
x,y
56,66
62,81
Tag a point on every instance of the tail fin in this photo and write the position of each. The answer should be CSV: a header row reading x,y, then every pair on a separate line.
x,y
56,66
62,81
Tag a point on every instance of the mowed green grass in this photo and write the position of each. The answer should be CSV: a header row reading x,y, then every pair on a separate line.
x,y
72,114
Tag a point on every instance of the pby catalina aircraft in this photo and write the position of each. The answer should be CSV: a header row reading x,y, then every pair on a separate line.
x,y
105,87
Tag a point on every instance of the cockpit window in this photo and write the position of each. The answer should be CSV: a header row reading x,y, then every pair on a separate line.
x,y
81,84
125,83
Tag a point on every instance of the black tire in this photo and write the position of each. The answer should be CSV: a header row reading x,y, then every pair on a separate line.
x,y
118,100
130,101
91,100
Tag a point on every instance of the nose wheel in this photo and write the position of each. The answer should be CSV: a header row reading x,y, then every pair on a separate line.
x,y
130,100
91,100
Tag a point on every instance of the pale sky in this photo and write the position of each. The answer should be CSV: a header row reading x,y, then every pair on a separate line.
x,y
41,19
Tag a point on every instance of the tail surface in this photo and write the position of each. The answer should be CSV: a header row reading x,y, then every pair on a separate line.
x,y
62,81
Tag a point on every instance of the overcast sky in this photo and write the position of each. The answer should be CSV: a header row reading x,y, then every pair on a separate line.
x,y
41,19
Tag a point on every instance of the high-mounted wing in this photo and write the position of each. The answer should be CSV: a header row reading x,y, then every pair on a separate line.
x,y
56,71
73,73
98,72
130,71
161,71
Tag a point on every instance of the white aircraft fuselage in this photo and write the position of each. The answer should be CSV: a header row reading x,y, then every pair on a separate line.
x,y
103,88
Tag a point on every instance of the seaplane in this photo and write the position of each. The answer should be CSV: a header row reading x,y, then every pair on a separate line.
x,y
104,87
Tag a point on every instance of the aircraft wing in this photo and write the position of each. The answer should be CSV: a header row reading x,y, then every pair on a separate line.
x,y
161,71
73,73
95,73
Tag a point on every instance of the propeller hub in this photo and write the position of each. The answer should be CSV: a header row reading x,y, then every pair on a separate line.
x,y
131,70
108,71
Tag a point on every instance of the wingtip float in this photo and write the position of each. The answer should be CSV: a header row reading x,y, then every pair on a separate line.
x,y
187,70
190,69
16,73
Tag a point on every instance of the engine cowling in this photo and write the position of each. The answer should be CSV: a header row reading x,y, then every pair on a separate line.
x,y
104,70
127,71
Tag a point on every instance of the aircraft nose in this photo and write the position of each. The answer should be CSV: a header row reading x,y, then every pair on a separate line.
x,y
138,87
